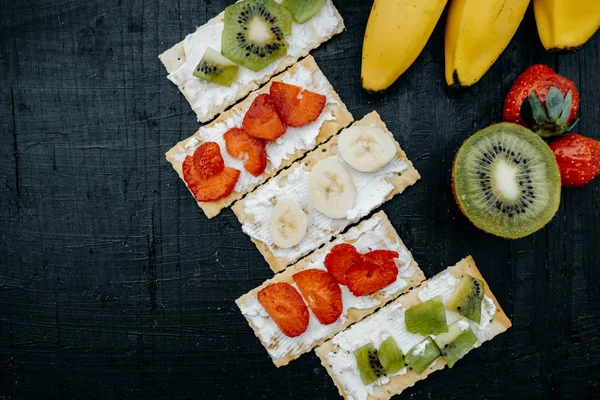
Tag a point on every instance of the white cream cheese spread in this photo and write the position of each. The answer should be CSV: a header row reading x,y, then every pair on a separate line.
x,y
389,321
369,235
294,139
208,98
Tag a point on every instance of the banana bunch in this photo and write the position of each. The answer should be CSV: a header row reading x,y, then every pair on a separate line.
x,y
477,32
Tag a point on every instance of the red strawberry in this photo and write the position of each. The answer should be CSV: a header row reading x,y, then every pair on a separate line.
x,y
239,145
367,277
382,257
322,293
208,189
295,105
285,305
262,121
339,259
578,159
542,100
208,159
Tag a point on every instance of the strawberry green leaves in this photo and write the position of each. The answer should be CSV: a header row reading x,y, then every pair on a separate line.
x,y
551,119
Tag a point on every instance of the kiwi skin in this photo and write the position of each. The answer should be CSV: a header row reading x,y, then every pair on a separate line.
x,y
555,202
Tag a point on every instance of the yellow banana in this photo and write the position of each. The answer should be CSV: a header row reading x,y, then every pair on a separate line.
x,y
566,24
477,32
396,34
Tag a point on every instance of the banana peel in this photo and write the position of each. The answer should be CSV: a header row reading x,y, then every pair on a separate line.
x,y
477,32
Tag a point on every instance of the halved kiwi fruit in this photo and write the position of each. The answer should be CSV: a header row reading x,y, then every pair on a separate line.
x,y
422,355
466,298
303,10
216,68
506,181
457,342
427,318
254,33
369,366
390,356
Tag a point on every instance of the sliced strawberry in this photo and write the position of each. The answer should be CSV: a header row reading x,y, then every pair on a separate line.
x,y
208,189
295,105
339,259
208,159
284,304
382,257
368,277
262,121
322,293
240,145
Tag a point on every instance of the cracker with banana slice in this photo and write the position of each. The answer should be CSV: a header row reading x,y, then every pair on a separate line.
x,y
328,189
340,355
209,99
281,153
375,233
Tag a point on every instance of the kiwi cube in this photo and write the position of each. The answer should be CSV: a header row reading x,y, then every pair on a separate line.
x,y
457,342
466,298
427,318
390,356
369,366
216,68
303,10
422,355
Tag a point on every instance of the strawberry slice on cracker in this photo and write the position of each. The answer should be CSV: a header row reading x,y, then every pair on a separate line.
x,y
262,121
375,272
285,306
322,293
295,105
242,146
339,259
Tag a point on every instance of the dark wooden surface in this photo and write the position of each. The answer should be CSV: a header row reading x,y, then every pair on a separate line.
x,y
114,285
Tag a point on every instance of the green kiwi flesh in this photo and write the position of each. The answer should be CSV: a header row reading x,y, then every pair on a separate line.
x,y
254,33
456,343
506,181
466,298
422,355
369,366
216,68
303,10
390,356
427,318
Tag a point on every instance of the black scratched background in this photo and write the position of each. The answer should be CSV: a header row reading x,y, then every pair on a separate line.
x,y
114,285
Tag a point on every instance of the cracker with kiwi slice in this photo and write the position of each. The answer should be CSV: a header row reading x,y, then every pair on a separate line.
x,y
378,223
209,99
227,120
398,383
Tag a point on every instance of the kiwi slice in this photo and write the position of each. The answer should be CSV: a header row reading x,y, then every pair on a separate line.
x,y
369,366
421,356
254,33
506,181
466,298
457,342
216,68
427,318
390,356
303,10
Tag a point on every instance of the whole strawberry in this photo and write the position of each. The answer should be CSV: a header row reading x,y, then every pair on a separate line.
x,y
578,159
542,100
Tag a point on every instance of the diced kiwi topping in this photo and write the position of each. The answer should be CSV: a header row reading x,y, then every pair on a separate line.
x,y
457,342
427,318
421,356
466,298
254,33
303,10
390,356
369,366
216,68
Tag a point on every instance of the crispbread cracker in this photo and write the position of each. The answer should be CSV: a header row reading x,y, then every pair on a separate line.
x,y
175,57
500,323
400,181
352,236
341,119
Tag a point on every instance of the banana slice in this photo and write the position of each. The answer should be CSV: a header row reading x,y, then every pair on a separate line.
x,y
366,148
331,189
287,224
